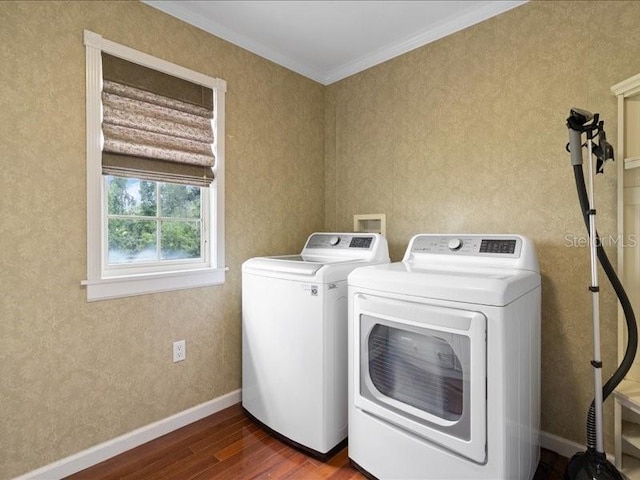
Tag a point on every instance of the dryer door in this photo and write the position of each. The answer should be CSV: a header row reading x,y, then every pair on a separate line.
x,y
423,369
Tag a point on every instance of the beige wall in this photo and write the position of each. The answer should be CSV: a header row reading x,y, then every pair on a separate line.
x,y
74,374
467,134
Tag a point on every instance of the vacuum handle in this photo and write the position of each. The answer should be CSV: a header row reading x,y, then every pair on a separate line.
x,y
575,146
580,117
579,121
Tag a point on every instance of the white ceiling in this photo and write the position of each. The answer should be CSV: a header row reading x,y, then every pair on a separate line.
x,y
330,40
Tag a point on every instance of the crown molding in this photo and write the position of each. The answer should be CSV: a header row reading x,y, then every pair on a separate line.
x,y
487,10
484,11
184,13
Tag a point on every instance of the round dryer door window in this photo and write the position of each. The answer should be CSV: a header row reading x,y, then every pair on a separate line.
x,y
421,369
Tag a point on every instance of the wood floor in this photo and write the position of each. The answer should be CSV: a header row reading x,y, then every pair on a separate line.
x,y
228,445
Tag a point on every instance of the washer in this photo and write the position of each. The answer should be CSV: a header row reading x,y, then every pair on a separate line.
x,y
444,361
294,338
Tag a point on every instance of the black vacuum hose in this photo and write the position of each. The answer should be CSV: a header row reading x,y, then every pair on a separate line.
x,y
632,341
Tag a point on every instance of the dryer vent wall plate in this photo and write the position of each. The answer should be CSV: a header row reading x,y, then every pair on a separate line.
x,y
370,223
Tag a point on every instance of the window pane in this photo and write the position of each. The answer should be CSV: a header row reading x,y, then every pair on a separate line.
x,y
132,241
179,200
130,196
180,240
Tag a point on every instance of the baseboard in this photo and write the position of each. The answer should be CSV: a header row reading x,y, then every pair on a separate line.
x,y
99,453
560,445
564,447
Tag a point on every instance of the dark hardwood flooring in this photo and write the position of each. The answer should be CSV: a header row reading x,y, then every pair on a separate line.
x,y
228,445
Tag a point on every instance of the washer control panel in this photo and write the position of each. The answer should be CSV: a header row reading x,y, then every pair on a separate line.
x,y
340,240
498,245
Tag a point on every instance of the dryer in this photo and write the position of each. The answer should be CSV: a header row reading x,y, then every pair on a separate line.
x,y
294,338
444,361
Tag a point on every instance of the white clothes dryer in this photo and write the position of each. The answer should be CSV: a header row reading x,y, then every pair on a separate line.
x,y
294,338
444,361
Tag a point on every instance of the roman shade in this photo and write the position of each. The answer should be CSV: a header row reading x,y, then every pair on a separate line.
x,y
155,126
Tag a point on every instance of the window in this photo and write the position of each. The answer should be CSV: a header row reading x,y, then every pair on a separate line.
x,y
155,174
152,222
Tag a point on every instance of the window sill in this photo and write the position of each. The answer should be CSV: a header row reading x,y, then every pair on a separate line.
x,y
118,287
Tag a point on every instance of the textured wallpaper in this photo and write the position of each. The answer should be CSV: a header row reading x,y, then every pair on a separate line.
x,y
468,134
74,374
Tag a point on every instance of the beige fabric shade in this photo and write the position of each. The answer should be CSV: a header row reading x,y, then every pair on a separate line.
x,y
153,136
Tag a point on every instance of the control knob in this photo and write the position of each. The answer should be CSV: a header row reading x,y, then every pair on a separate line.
x,y
454,244
335,240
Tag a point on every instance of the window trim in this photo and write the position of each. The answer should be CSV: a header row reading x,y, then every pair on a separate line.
x,y
100,286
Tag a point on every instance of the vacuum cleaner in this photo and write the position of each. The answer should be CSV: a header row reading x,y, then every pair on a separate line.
x,y
593,464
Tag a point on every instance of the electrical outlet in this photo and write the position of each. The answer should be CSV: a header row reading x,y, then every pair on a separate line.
x,y
179,351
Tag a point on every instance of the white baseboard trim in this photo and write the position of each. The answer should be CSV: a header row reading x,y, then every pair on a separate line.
x,y
103,451
564,447
560,445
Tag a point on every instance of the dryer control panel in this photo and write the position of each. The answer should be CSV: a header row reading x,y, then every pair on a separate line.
x,y
476,245
478,250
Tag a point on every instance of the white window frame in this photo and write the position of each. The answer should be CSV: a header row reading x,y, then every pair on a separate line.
x,y
102,283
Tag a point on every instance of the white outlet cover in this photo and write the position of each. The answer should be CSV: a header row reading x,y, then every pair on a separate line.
x,y
179,351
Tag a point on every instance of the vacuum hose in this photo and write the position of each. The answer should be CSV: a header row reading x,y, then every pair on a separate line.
x,y
632,341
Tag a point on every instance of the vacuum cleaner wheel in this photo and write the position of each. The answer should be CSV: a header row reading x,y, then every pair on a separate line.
x,y
591,465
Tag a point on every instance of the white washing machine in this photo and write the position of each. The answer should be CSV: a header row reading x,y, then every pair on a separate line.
x,y
444,361
294,338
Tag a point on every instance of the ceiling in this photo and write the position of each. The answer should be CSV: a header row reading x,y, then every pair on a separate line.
x,y
330,40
